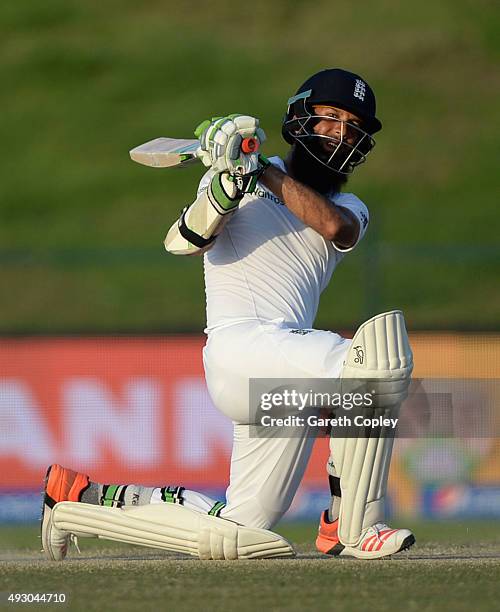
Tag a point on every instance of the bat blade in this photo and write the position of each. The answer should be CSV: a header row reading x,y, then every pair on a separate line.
x,y
166,152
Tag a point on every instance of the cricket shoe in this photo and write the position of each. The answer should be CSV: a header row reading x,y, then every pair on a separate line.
x,y
61,484
328,537
377,542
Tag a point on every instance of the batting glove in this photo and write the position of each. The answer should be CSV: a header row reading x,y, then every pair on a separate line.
x,y
220,144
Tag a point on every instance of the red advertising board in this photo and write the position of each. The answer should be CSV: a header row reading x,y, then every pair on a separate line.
x,y
137,410
121,409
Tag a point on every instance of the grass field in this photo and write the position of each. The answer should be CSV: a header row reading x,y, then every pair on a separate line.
x,y
453,567
82,227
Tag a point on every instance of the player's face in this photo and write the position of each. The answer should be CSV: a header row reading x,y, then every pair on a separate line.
x,y
338,124
332,141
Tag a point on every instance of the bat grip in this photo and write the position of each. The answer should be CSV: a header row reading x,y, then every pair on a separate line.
x,y
249,145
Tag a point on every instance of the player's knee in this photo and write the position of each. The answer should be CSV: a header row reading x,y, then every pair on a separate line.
x,y
380,350
251,514
380,353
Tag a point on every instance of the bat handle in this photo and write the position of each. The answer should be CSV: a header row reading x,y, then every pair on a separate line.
x,y
249,145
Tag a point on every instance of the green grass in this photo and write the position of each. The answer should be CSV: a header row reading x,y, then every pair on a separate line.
x,y
82,227
453,566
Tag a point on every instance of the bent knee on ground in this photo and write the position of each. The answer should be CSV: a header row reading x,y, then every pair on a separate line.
x,y
251,514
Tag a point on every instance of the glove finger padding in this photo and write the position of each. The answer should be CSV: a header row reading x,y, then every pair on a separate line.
x,y
246,125
237,161
220,143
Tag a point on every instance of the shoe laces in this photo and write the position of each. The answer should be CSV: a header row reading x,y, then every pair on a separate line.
x,y
378,528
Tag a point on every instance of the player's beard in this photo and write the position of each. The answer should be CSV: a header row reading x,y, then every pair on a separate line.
x,y
311,172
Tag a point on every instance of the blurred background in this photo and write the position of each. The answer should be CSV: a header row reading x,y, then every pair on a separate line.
x,y
101,330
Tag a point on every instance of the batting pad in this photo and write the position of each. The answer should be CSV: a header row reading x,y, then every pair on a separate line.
x,y
171,527
380,352
383,349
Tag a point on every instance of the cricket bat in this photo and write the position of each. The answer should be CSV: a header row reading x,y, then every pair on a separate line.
x,y
170,152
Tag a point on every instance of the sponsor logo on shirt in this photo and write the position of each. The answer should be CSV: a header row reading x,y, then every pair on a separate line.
x,y
267,195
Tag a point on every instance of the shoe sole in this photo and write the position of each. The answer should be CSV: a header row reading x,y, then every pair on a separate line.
x,y
408,542
339,551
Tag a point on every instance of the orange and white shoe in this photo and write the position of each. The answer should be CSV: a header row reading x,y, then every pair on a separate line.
x,y
377,542
327,541
61,484
380,541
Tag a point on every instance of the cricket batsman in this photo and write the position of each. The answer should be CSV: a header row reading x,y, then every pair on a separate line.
x,y
271,231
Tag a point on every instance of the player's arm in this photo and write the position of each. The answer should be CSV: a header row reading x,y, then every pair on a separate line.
x,y
334,223
201,222
234,172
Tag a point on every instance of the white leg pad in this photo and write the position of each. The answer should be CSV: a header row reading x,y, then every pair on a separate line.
x,y
171,527
380,351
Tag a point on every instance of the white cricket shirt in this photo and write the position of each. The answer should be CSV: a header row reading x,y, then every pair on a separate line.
x,y
267,264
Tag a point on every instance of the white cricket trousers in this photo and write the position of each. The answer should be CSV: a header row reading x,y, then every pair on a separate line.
x,y
265,472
